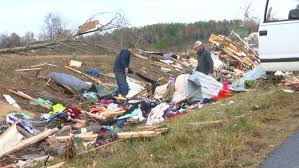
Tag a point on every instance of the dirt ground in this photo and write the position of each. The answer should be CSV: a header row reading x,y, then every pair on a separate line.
x,y
103,63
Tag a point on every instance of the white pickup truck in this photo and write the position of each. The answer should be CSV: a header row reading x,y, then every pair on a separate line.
x,y
279,36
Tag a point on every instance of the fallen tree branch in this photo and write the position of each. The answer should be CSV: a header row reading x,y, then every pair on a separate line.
x,y
36,46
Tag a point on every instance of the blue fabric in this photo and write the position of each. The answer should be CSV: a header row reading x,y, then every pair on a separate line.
x,y
93,73
123,87
122,61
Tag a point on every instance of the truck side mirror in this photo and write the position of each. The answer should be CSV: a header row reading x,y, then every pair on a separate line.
x,y
294,14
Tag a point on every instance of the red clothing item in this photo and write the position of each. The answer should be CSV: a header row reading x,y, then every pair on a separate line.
x,y
223,93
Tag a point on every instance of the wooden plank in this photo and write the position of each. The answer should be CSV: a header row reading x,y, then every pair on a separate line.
x,y
38,65
140,56
29,69
97,116
84,137
138,134
115,113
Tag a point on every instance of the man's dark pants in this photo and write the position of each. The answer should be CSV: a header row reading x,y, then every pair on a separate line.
x,y
123,87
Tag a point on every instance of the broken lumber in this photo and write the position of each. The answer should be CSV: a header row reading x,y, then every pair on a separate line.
x,y
88,77
138,134
30,141
41,65
29,69
100,117
139,56
247,46
21,94
112,113
84,137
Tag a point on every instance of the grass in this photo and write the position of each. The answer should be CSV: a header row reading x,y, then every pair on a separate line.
x,y
270,115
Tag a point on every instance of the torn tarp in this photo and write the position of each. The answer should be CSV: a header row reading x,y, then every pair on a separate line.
x,y
209,87
197,86
256,73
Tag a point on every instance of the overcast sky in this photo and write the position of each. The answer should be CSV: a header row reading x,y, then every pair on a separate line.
x,y
21,16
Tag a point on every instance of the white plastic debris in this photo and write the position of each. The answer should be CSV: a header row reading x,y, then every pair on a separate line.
x,y
74,63
135,87
11,101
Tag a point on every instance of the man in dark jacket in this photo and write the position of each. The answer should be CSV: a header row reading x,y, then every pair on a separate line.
x,y
205,62
120,68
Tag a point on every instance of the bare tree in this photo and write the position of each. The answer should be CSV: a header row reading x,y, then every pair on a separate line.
x,y
28,38
4,41
249,22
53,27
54,33
14,40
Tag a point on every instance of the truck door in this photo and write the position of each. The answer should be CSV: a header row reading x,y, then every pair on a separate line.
x,y
279,35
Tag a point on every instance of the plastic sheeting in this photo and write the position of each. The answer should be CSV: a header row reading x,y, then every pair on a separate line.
x,y
209,87
135,87
73,82
9,138
256,73
217,62
181,88
197,86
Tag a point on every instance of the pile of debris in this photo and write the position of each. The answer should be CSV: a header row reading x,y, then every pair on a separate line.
x,y
237,54
84,114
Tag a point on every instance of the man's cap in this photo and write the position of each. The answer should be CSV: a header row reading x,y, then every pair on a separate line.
x,y
197,44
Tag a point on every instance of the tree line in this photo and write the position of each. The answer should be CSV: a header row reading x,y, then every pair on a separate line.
x,y
168,36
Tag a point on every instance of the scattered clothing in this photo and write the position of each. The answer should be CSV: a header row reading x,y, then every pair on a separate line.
x,y
112,106
11,119
157,113
58,108
73,112
93,73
